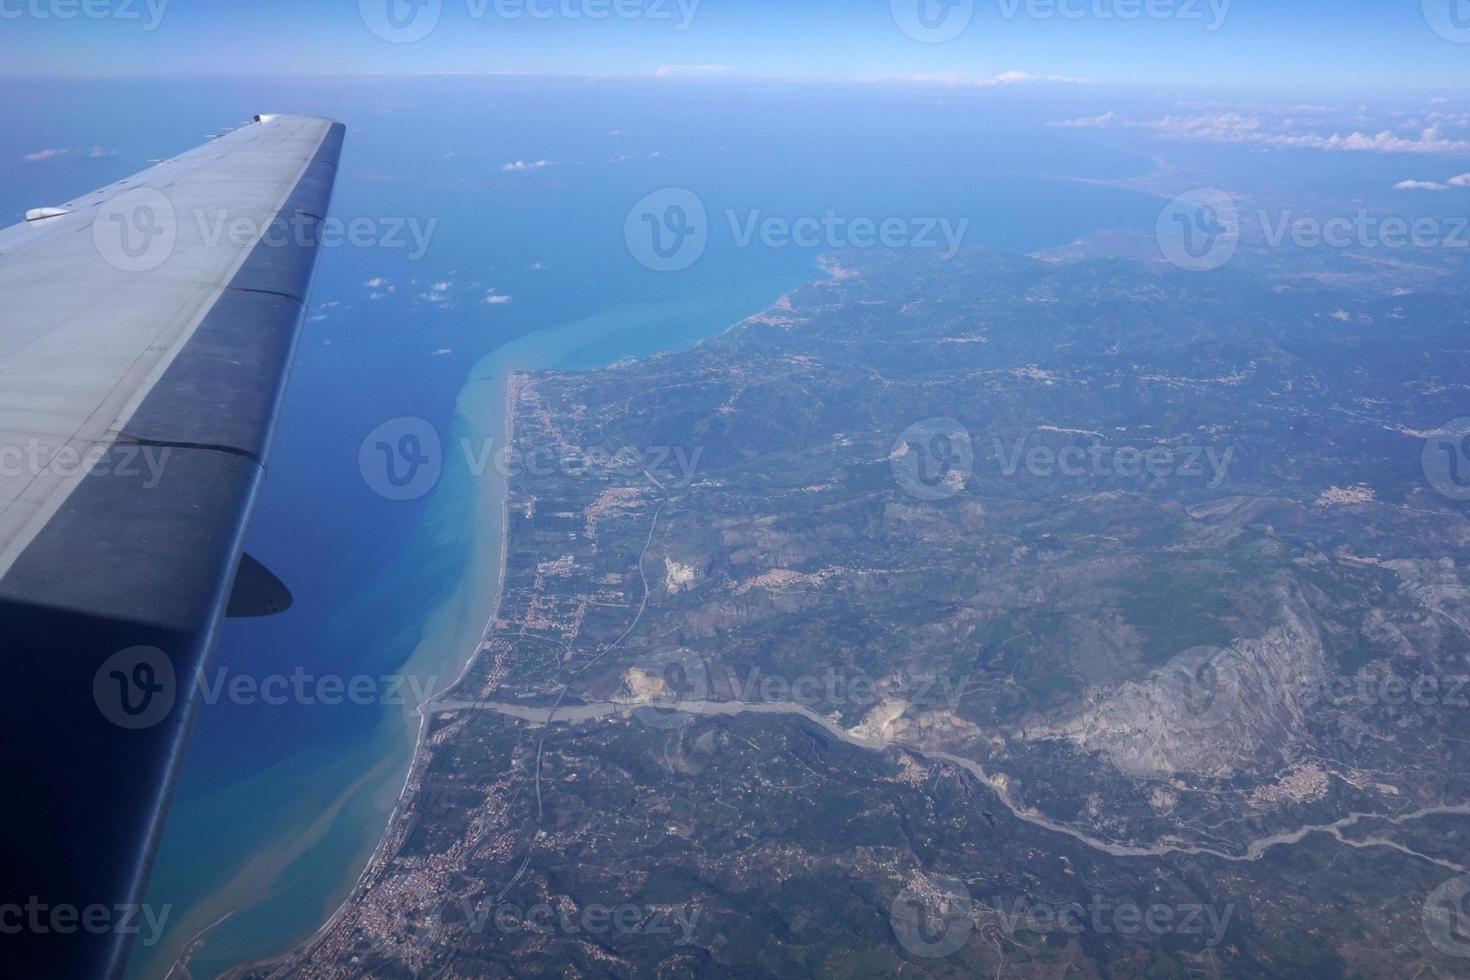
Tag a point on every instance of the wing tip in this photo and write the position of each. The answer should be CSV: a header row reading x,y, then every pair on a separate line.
x,y
269,117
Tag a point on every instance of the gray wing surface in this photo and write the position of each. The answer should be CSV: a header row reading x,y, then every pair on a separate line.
x,y
146,333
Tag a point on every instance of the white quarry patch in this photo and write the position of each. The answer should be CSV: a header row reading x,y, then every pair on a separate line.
x,y
643,685
1347,496
878,724
678,577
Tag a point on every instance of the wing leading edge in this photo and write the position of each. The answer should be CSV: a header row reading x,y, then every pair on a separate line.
x,y
146,333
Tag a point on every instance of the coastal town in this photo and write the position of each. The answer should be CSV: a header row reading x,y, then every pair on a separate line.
x,y
708,692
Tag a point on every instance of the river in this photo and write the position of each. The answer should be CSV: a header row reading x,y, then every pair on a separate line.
x,y
1001,787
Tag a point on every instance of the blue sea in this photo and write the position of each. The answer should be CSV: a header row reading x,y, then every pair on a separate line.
x,y
520,190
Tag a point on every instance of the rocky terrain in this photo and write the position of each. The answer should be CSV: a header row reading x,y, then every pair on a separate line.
x,y
1105,622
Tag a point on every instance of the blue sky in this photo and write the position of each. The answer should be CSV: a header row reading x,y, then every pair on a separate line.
x,y
1353,45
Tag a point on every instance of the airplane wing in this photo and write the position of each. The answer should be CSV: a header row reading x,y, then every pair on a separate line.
x,y
146,332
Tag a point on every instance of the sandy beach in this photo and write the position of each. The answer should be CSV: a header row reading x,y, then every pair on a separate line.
x,y
468,511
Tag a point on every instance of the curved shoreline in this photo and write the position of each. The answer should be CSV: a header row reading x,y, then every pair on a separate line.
x,y
1253,850
180,968
416,759
537,351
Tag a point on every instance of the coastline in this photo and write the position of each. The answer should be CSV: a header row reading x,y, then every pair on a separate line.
x,y
511,383
460,621
389,840
180,968
506,385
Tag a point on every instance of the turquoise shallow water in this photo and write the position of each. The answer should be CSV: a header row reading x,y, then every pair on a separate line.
x,y
279,805
328,809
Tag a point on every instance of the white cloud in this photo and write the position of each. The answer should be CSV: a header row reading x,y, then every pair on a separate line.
x,y
961,80
518,166
1428,141
1021,77
625,157
496,299
692,71
94,153
1234,127
1420,185
1459,120
377,282
1461,181
1091,122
